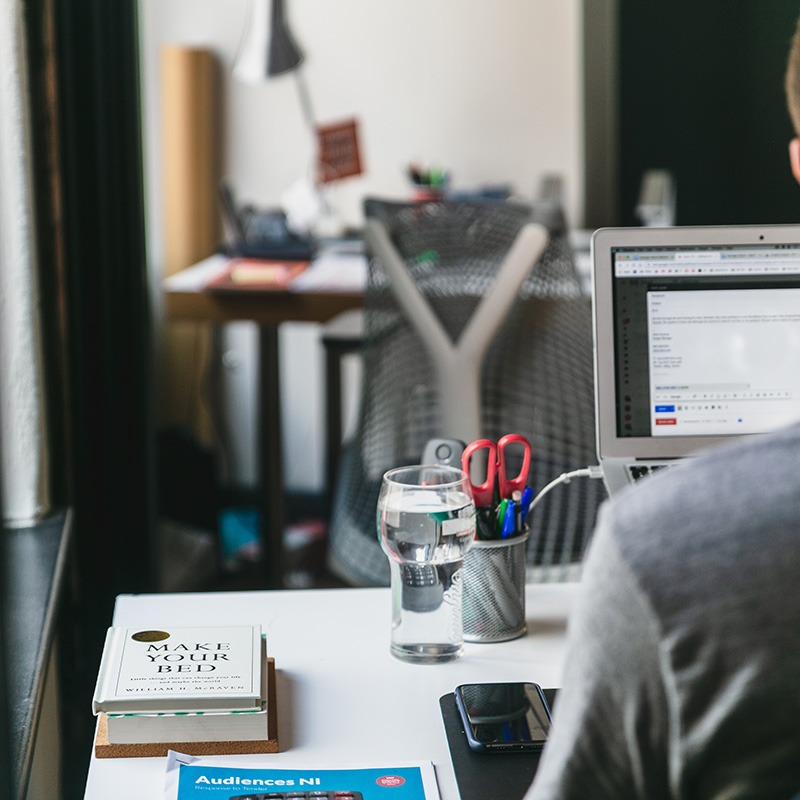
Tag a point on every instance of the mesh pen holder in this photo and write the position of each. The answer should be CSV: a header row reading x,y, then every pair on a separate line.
x,y
494,590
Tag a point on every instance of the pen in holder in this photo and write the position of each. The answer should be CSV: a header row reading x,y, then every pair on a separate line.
x,y
493,589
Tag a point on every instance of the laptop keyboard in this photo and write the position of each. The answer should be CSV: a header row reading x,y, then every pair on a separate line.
x,y
643,470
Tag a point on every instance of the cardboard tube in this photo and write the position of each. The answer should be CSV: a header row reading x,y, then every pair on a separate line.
x,y
191,118
190,122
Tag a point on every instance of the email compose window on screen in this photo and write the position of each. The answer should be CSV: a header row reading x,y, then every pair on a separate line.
x,y
712,340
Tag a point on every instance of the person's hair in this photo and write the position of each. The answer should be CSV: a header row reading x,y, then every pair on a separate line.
x,y
793,80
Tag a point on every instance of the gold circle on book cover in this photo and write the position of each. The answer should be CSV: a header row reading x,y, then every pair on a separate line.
x,y
150,636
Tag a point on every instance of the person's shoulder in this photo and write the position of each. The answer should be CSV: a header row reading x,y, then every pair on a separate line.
x,y
752,478
752,458
746,452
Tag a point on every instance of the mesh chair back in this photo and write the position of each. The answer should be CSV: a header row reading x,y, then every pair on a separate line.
x,y
536,378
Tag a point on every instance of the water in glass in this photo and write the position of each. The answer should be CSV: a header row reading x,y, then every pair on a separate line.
x,y
426,531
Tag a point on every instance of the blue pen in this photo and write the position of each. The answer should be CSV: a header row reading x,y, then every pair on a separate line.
x,y
525,503
509,524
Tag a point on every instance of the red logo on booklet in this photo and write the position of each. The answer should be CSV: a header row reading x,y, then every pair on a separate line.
x,y
390,780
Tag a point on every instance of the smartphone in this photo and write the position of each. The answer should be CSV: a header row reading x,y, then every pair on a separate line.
x,y
503,717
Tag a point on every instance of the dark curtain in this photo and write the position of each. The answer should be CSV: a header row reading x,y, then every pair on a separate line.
x,y
85,106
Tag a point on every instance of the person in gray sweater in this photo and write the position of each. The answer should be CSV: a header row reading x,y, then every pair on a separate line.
x,y
682,676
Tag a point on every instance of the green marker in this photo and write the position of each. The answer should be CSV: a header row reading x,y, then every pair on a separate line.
x,y
501,515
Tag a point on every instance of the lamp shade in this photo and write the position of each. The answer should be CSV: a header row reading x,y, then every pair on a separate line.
x,y
267,47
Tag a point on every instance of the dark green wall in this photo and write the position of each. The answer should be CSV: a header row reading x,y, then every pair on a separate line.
x,y
701,94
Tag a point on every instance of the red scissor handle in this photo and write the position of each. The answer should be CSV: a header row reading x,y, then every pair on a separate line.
x,y
510,485
482,493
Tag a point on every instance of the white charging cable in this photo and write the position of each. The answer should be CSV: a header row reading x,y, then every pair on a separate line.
x,y
565,477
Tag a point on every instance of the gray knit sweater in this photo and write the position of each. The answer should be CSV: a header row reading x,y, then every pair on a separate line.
x,y
683,669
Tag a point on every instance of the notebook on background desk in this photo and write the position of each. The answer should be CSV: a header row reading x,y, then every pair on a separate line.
x,y
697,339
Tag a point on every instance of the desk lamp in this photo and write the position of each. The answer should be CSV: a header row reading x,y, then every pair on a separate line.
x,y
268,49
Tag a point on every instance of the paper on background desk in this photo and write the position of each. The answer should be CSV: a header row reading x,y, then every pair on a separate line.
x,y
333,272
197,277
328,272
191,778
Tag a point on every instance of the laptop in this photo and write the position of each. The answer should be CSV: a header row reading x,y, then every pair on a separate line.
x,y
697,340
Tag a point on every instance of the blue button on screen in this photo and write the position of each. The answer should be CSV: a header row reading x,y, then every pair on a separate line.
x,y
665,409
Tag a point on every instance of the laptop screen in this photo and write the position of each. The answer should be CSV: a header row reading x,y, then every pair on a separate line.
x,y
697,336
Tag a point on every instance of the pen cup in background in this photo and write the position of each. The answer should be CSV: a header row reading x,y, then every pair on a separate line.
x,y
494,590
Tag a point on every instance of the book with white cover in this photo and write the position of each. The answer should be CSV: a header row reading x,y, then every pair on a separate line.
x,y
189,726
180,669
248,725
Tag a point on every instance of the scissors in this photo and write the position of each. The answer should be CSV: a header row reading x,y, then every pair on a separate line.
x,y
483,493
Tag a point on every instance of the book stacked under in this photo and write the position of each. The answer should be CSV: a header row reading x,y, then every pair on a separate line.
x,y
202,691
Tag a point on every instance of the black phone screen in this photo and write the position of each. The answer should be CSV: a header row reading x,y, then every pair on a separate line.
x,y
504,716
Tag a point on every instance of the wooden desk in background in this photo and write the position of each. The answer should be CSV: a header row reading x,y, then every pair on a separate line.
x,y
332,284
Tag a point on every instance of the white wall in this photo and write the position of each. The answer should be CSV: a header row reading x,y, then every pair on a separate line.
x,y
487,89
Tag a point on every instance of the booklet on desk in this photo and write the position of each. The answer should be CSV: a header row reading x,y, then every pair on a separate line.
x,y
180,669
188,778
248,274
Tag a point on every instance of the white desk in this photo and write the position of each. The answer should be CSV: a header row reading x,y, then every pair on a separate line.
x,y
342,698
